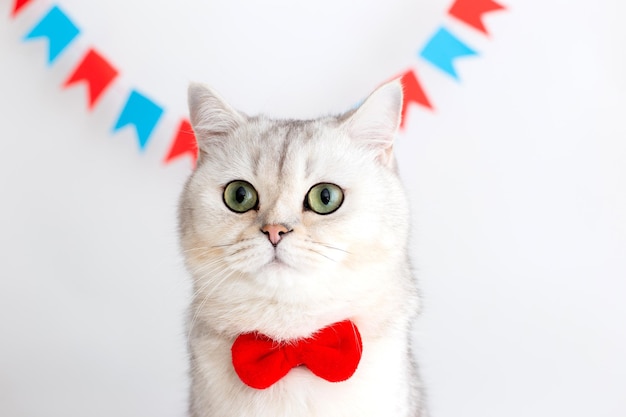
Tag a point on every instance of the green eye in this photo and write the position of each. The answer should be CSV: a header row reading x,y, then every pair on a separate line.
x,y
324,198
240,196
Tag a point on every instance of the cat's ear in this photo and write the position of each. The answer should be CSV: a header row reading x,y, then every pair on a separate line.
x,y
211,117
375,123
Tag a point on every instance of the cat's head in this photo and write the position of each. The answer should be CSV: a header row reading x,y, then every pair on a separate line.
x,y
297,211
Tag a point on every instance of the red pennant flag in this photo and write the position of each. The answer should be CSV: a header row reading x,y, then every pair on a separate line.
x,y
184,142
18,6
96,72
413,93
472,11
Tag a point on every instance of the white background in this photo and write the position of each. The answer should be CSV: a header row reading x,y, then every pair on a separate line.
x,y
517,183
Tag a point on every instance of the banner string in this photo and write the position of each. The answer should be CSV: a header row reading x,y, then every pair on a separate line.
x,y
441,50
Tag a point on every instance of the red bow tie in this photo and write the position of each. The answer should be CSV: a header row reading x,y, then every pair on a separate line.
x,y
332,353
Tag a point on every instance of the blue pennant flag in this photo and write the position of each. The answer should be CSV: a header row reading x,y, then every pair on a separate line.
x,y
443,48
58,29
142,113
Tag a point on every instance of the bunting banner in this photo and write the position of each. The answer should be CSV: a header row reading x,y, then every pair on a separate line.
x,y
96,72
18,6
441,50
471,12
413,93
184,142
142,113
58,29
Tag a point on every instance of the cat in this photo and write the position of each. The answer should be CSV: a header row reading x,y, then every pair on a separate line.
x,y
290,227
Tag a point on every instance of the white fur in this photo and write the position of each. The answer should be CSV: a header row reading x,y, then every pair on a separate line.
x,y
351,264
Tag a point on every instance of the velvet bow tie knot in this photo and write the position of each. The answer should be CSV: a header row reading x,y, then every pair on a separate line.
x,y
332,353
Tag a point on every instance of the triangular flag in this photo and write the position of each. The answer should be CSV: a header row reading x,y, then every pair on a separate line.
x,y
443,48
142,113
96,72
17,6
58,29
184,143
471,12
413,93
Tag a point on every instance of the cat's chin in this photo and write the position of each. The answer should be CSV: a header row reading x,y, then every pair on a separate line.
x,y
280,259
277,265
279,273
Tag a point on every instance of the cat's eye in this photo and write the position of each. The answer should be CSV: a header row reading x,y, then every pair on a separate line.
x,y
240,196
324,198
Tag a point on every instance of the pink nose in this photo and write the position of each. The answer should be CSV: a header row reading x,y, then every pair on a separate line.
x,y
274,232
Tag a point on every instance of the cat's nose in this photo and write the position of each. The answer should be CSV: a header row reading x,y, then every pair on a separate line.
x,y
275,232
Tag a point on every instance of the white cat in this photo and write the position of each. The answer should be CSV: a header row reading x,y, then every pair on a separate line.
x,y
287,227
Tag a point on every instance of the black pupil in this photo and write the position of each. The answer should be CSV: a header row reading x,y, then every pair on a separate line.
x,y
240,194
325,196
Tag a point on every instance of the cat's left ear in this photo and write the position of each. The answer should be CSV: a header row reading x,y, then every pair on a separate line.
x,y
375,123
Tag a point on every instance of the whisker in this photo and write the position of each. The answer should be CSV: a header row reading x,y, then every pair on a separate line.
x,y
326,245
330,246
205,270
356,337
321,254
195,249
206,298
225,245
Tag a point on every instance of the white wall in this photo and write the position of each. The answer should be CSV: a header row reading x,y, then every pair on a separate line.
x,y
517,181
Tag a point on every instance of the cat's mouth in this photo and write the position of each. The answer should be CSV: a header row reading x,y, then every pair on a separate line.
x,y
277,261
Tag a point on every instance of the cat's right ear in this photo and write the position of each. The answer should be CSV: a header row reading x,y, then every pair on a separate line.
x,y
375,123
211,117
